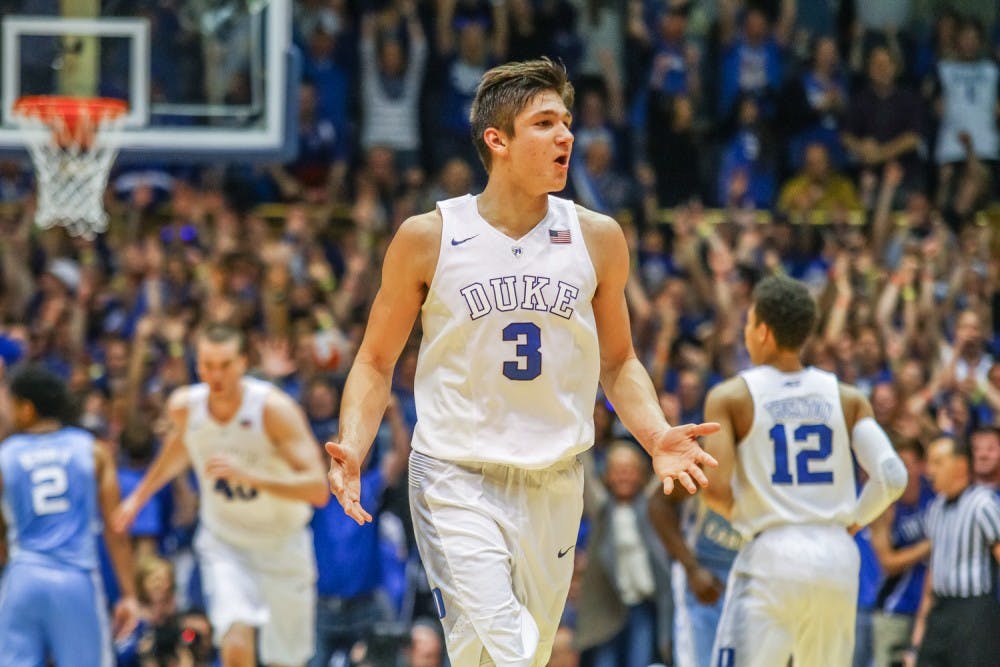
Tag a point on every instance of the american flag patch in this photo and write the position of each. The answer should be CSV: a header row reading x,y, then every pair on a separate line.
x,y
559,236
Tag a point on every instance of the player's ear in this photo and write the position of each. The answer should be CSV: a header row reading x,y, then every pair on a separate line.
x,y
24,412
762,332
495,140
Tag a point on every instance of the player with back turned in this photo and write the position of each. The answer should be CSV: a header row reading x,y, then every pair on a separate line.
x,y
786,480
57,483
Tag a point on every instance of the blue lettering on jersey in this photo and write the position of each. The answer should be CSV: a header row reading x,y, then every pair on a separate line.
x,y
814,409
531,293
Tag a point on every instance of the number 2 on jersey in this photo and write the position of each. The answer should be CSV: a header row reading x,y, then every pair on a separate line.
x,y
49,483
804,475
530,350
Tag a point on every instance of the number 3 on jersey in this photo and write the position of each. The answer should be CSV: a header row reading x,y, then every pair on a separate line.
x,y
528,337
804,434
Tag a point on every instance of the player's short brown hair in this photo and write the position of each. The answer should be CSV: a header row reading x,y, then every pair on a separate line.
x,y
506,90
219,332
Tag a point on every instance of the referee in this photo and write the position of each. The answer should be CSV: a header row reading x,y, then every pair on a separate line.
x,y
959,618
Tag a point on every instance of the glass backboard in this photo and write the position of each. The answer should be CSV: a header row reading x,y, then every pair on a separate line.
x,y
204,79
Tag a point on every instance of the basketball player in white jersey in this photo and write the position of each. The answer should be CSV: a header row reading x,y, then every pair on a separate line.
x,y
786,480
259,470
523,311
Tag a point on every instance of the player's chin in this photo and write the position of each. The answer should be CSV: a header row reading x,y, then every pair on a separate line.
x,y
557,183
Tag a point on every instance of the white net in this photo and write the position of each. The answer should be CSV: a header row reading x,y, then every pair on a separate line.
x,y
72,157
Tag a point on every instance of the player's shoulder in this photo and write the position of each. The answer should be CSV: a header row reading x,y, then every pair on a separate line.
x,y
179,402
277,399
102,454
415,245
730,390
597,224
421,228
605,243
279,406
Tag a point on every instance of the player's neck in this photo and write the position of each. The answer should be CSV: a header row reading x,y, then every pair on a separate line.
x,y
785,361
222,406
43,426
510,209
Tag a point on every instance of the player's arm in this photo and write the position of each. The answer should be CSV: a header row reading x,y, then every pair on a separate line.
x,y
286,426
664,514
406,272
626,382
886,472
894,561
126,613
170,462
722,444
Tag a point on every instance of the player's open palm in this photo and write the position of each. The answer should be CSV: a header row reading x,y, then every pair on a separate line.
x,y
345,480
677,455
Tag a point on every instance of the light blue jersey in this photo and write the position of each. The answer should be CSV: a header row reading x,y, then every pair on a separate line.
x,y
50,497
51,600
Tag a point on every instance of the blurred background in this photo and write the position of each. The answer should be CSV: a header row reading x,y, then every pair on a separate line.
x,y
853,145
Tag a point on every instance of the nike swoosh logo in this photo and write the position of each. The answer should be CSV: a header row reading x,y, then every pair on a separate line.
x,y
563,552
454,242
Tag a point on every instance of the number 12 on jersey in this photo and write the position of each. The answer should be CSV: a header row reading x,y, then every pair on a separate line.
x,y
820,434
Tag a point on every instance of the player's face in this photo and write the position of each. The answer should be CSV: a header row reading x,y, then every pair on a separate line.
x,y
220,365
542,143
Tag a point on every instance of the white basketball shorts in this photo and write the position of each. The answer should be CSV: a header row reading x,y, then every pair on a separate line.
x,y
792,592
497,544
271,587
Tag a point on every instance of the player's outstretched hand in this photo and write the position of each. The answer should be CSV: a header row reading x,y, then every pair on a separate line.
x,y
124,515
345,480
677,455
125,618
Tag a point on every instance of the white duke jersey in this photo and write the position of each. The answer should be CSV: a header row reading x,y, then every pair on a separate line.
x,y
509,361
969,93
795,466
241,515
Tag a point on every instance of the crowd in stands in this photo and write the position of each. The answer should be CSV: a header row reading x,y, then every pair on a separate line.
x,y
853,145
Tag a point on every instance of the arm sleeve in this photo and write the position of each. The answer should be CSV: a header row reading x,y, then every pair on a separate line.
x,y
886,472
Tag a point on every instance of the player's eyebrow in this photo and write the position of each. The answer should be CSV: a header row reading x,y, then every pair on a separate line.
x,y
567,116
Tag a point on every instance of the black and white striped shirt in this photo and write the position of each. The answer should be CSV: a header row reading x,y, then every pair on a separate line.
x,y
962,533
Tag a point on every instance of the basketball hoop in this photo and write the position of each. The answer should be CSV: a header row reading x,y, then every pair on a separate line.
x,y
73,142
